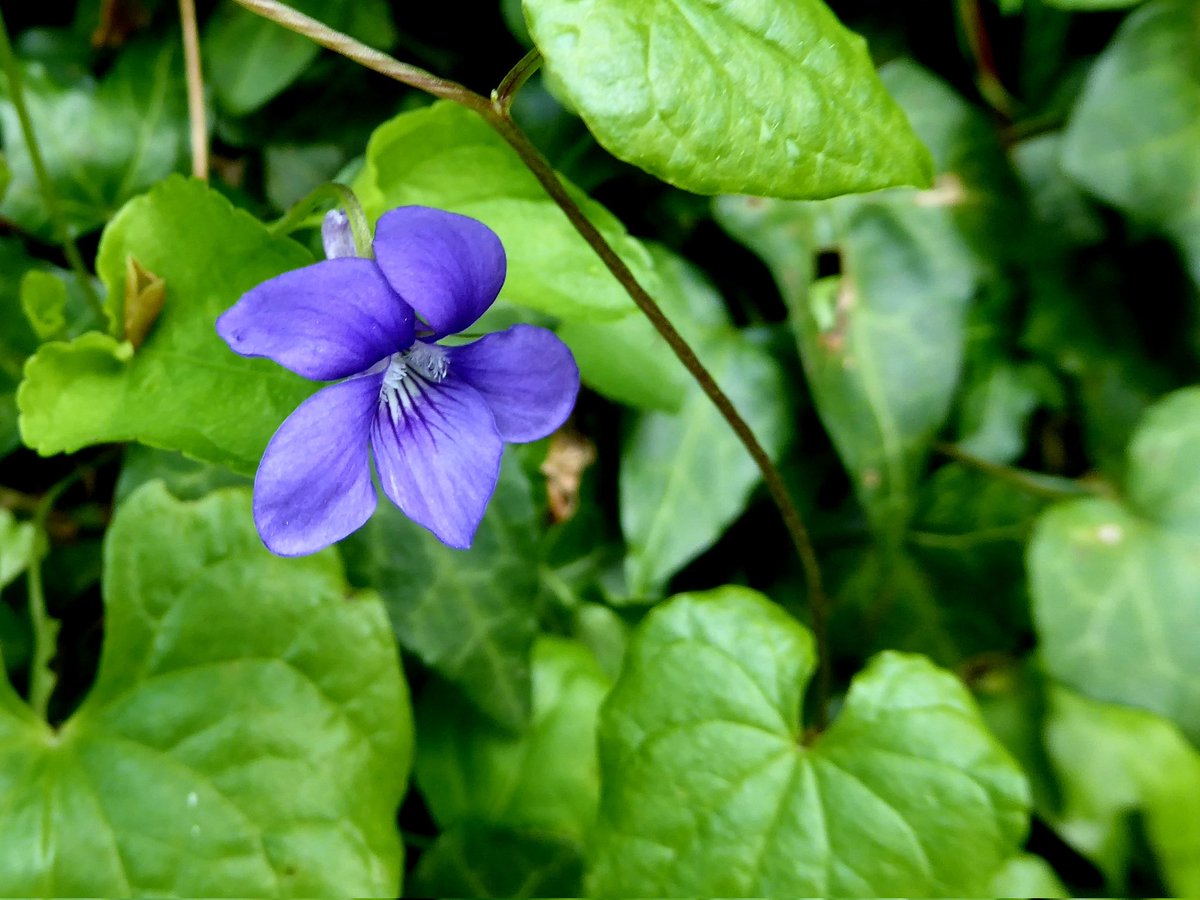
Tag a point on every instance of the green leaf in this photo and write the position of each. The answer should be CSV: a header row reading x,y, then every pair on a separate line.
x,y
1027,875
250,60
1113,583
248,733
905,795
17,340
1133,133
773,99
883,343
1113,762
481,861
187,479
470,616
184,389
16,547
446,156
628,360
685,476
132,124
545,779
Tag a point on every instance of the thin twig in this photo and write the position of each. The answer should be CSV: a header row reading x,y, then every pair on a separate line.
x,y
497,115
503,95
1049,486
16,93
197,120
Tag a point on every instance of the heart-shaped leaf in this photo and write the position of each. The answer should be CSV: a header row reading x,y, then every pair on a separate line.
x,y
1113,583
248,733
709,789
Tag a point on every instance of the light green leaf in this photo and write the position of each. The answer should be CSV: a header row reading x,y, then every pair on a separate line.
x,y
482,861
1026,875
1133,133
1113,583
132,125
685,476
996,409
882,344
470,616
44,300
1113,762
905,795
248,733
773,99
250,60
16,547
184,389
545,779
446,156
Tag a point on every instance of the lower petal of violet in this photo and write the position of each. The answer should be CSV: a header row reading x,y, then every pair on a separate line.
x,y
313,485
437,453
527,376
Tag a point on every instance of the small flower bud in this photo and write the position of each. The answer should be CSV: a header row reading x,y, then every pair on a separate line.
x,y
336,235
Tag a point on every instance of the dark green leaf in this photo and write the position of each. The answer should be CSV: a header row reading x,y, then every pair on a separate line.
x,y
469,615
248,733
132,125
709,788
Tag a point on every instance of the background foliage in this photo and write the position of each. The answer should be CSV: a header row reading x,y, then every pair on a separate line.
x,y
949,275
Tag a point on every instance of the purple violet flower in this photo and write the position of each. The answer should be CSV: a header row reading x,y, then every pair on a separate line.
x,y
435,418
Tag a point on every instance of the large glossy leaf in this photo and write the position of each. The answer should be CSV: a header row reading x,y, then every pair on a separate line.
x,y
766,98
248,733
446,156
544,779
183,389
882,343
1133,133
685,476
1113,582
132,124
471,616
710,787
1114,762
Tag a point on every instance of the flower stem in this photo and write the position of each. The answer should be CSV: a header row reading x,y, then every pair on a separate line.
x,y
330,193
496,113
16,93
503,95
198,123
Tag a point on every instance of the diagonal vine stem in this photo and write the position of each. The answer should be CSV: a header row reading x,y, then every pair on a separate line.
x,y
495,112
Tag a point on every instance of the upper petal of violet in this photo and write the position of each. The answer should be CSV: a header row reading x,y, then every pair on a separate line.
x,y
448,267
437,453
328,320
313,485
527,376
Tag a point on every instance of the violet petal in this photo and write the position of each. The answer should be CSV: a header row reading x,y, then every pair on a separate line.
x,y
447,267
439,458
313,485
527,376
325,321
